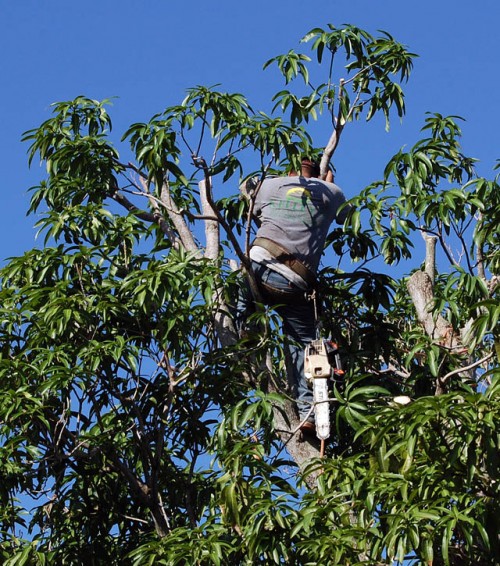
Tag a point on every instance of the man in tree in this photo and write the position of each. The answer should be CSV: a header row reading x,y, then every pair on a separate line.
x,y
295,213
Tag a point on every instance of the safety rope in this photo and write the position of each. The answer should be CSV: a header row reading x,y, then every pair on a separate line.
x,y
317,321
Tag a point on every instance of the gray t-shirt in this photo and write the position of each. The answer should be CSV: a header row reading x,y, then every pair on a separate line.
x,y
297,212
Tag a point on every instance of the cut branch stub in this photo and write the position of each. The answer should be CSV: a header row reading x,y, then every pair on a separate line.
x,y
436,327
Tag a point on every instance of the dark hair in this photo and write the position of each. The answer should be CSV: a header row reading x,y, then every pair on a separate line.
x,y
314,165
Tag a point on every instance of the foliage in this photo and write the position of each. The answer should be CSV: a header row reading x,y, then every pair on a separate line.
x,y
137,428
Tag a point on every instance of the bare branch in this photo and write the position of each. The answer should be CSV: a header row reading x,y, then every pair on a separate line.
x,y
430,256
436,327
175,215
476,364
212,232
480,257
158,218
334,140
184,235
200,162
121,199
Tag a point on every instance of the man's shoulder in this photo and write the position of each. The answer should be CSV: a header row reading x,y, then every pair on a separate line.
x,y
330,187
273,183
274,179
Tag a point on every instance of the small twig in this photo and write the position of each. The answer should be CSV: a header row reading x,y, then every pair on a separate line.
x,y
136,519
459,235
360,72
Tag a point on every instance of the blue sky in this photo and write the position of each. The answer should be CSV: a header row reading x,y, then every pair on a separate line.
x,y
148,53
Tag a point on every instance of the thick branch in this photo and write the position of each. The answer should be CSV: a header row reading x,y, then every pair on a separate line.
x,y
223,320
436,327
430,256
184,233
212,232
329,151
199,161
182,229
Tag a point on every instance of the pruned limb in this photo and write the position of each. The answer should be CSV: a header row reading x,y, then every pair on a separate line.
x,y
436,327
420,286
430,256
212,232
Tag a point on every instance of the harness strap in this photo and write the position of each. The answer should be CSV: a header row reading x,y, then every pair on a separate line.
x,y
317,321
286,258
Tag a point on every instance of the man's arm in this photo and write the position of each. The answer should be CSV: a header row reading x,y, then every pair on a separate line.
x,y
342,214
339,202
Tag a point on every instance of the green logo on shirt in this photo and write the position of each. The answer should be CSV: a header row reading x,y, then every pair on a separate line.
x,y
298,192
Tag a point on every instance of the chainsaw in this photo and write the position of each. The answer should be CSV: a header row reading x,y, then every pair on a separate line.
x,y
322,363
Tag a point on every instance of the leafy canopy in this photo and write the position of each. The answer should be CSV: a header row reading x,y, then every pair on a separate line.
x,y
137,428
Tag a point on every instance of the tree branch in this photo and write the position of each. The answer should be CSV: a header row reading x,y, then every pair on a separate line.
x,y
200,162
141,214
212,232
473,365
182,229
436,327
430,256
334,140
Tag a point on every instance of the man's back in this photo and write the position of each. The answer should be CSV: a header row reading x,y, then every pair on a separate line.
x,y
296,213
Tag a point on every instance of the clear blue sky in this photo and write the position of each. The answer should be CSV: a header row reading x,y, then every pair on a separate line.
x,y
148,53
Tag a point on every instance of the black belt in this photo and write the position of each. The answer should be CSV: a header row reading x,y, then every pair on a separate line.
x,y
282,255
